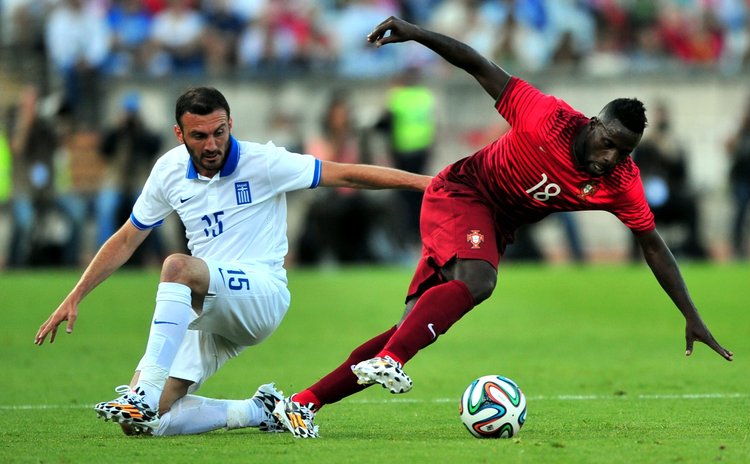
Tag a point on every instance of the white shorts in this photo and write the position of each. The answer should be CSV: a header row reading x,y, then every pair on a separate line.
x,y
243,307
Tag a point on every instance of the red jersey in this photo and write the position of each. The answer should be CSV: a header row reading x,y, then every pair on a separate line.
x,y
531,172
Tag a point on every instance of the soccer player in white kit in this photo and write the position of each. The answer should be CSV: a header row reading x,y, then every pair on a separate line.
x,y
231,291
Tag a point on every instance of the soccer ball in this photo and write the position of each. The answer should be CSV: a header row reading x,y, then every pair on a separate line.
x,y
493,407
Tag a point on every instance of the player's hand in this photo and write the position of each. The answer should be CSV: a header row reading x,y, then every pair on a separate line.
x,y
67,311
697,330
401,31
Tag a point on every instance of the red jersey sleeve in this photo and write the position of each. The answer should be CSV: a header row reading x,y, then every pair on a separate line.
x,y
631,206
524,106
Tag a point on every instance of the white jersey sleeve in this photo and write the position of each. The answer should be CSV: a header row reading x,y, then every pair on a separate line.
x,y
288,172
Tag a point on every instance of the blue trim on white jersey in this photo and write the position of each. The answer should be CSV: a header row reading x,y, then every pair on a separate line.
x,y
316,174
233,159
139,225
191,172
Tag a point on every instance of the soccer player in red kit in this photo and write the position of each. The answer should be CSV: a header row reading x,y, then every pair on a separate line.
x,y
553,159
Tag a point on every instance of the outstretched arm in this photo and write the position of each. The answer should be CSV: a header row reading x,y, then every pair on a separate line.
x,y
489,75
365,176
113,254
663,265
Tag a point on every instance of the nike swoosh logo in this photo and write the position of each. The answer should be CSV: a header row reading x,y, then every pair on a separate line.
x,y
183,200
165,322
432,330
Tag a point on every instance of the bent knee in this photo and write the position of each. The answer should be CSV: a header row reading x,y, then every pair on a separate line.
x,y
482,287
178,268
479,276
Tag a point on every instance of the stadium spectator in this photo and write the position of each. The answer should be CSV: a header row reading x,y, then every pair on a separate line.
x,y
663,163
649,54
469,21
734,16
607,56
529,42
553,159
23,26
526,246
80,172
77,37
129,148
738,148
337,215
572,32
410,123
177,36
249,10
33,144
223,26
154,6
54,177
283,38
232,291
130,24
692,35
418,11
350,22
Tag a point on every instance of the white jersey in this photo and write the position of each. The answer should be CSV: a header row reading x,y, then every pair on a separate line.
x,y
239,214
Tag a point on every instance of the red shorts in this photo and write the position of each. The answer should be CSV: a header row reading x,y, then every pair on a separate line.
x,y
455,223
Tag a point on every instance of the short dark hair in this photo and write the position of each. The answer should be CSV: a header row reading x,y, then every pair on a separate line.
x,y
200,100
631,112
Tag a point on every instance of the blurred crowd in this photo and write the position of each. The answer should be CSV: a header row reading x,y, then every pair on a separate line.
x,y
160,37
58,179
64,165
76,45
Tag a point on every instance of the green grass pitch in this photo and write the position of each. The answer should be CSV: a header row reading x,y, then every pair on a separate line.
x,y
598,350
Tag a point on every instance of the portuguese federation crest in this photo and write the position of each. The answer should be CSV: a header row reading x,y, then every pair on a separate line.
x,y
475,238
588,188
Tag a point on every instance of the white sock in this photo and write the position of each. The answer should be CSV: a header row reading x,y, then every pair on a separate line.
x,y
172,314
244,413
195,414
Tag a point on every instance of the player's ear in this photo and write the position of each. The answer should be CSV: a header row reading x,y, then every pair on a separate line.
x,y
178,133
595,121
229,123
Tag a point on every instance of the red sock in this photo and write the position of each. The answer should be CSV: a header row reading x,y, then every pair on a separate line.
x,y
341,383
306,397
435,312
